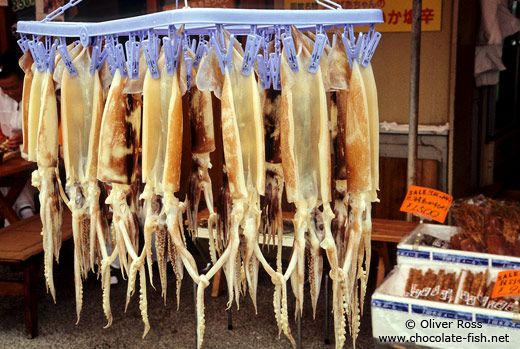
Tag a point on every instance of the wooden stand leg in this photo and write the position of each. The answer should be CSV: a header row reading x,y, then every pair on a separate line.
x,y
383,264
216,289
31,301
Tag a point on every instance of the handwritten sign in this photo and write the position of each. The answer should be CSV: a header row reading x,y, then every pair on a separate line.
x,y
397,14
428,203
507,284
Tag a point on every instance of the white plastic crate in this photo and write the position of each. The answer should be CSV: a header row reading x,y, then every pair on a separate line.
x,y
408,252
422,323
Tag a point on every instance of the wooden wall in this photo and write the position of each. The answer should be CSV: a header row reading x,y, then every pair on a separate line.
x,y
392,182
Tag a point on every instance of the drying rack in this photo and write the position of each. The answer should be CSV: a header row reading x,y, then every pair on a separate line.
x,y
202,31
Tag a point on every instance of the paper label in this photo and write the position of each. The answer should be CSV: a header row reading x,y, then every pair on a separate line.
x,y
428,203
507,284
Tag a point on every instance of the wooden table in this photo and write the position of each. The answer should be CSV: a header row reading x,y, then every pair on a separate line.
x,y
14,173
21,248
384,232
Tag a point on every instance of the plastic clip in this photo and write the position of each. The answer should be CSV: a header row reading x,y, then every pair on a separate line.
x,y
352,46
252,47
290,51
120,60
274,63
111,56
373,38
187,60
23,42
98,56
133,50
201,48
189,63
44,54
38,62
319,46
264,72
224,58
169,56
62,49
151,53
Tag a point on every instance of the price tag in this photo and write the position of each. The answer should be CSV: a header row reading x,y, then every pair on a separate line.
x,y
507,284
428,203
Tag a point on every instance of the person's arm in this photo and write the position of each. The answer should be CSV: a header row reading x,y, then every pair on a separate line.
x,y
15,141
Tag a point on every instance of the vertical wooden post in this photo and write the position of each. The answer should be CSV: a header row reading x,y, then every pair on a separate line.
x,y
415,63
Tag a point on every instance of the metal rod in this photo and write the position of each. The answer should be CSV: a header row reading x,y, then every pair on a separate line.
x,y
299,336
195,310
415,63
327,331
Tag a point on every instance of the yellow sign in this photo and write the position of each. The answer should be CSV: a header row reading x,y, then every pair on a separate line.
x,y
397,14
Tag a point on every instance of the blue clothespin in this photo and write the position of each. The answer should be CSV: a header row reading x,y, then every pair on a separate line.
x,y
62,49
187,59
121,61
46,53
201,48
168,55
98,56
252,47
274,63
133,50
352,46
224,58
151,53
38,60
319,46
189,63
370,47
23,42
264,72
290,51
111,55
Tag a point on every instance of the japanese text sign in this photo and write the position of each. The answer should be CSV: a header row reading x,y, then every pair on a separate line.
x,y
397,14
428,203
507,284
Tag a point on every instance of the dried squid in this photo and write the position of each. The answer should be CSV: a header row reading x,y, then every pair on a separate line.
x,y
305,160
243,140
42,142
361,153
117,165
338,66
26,63
200,113
156,100
82,110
